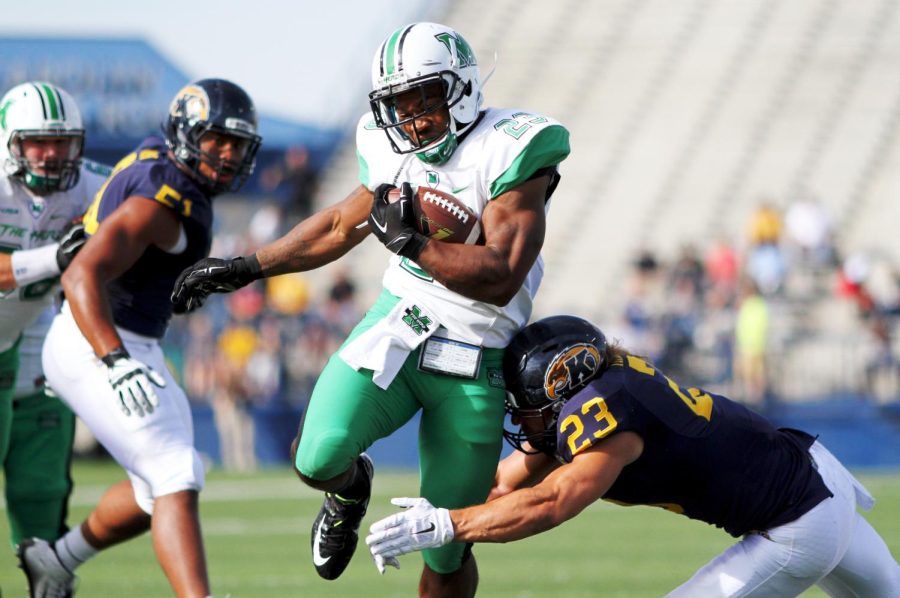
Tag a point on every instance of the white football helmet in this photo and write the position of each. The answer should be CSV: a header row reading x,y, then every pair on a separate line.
x,y
415,58
39,109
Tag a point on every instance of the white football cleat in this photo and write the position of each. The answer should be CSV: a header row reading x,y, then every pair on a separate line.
x,y
47,577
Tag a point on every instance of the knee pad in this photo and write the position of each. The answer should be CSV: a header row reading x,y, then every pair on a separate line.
x,y
327,455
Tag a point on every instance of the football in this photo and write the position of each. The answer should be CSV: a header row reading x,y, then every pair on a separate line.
x,y
439,215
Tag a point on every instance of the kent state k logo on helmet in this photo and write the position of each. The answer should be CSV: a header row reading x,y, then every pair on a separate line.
x,y
571,369
191,103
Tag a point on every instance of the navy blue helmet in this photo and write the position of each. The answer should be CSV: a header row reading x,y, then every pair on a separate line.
x,y
545,364
219,106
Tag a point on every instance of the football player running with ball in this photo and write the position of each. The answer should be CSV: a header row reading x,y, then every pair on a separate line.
x,y
152,218
433,342
45,186
598,422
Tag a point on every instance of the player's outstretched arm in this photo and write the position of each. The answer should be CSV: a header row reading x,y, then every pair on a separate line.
x,y
318,240
520,470
563,494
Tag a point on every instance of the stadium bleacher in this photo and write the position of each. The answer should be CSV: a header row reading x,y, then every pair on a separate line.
x,y
682,120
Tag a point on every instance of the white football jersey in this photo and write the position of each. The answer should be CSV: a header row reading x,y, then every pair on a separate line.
x,y
28,221
502,151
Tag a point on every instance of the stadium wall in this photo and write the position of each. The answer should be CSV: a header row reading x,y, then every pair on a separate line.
x,y
859,432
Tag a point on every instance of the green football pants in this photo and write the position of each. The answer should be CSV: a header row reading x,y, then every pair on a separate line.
x,y
9,365
460,433
37,463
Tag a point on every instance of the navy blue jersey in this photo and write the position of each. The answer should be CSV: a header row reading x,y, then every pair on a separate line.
x,y
704,456
140,297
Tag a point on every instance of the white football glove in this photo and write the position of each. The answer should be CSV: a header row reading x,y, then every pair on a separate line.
x,y
419,527
382,563
131,380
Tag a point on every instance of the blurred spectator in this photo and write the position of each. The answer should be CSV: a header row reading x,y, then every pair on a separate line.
x,y
751,339
767,268
882,366
722,271
643,307
200,357
231,398
638,317
266,225
688,270
884,287
765,225
678,323
851,279
233,390
264,370
646,263
808,227
288,294
872,285
341,309
306,355
293,181
765,262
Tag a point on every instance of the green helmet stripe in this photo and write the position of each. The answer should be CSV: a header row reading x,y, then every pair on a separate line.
x,y
390,51
52,101
40,95
392,59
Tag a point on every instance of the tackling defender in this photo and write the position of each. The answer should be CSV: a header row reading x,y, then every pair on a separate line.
x,y
152,218
598,422
434,339
46,184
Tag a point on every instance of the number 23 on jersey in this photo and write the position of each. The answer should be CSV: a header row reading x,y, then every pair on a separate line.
x,y
573,426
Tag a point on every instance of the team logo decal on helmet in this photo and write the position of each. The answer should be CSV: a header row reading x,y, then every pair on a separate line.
x,y
190,103
465,57
571,369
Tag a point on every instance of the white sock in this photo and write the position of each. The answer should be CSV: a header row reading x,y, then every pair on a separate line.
x,y
73,550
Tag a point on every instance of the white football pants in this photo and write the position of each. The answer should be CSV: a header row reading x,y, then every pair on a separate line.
x,y
832,546
156,450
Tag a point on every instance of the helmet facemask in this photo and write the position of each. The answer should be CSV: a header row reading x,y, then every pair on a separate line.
x,y
400,111
542,438
44,177
208,168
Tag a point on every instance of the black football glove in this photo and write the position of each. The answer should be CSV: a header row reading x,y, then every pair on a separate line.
x,y
394,223
70,243
212,275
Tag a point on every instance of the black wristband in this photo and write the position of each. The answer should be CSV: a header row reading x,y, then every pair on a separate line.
x,y
247,268
414,246
115,355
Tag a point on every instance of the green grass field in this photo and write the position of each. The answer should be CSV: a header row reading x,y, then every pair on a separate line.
x,y
257,539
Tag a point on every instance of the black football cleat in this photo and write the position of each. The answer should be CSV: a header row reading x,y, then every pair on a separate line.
x,y
335,531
